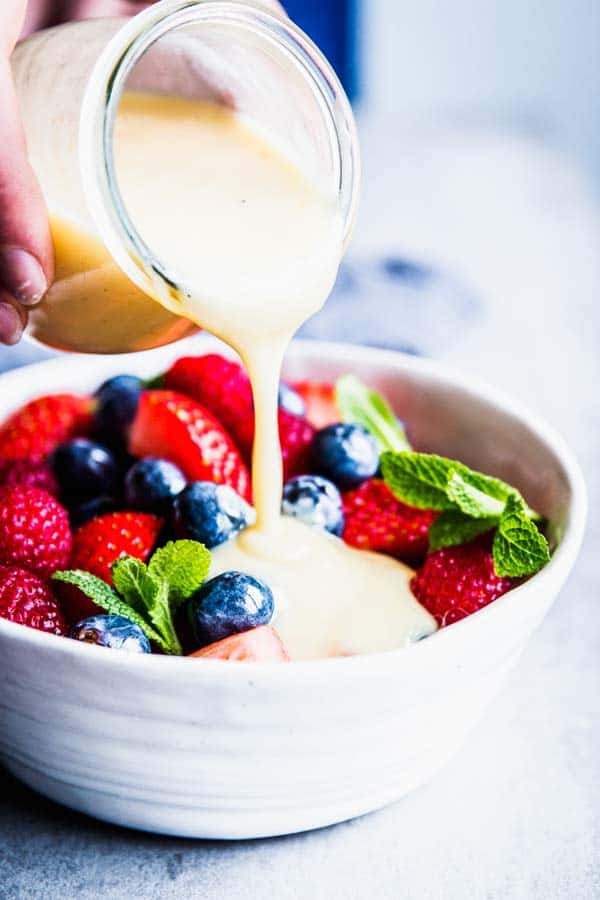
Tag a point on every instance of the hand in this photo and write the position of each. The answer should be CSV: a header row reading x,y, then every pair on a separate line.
x,y
26,256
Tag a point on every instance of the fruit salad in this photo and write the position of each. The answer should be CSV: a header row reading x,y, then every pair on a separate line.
x,y
116,512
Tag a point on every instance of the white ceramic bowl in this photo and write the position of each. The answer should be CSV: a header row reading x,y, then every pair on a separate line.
x,y
206,749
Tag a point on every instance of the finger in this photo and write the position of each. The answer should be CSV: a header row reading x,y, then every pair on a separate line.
x,y
13,320
26,255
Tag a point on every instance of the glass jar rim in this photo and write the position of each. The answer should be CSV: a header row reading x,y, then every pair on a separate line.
x,y
100,105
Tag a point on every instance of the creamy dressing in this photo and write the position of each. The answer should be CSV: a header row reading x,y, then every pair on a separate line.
x,y
255,247
330,599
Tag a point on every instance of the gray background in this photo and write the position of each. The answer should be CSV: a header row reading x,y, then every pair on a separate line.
x,y
517,814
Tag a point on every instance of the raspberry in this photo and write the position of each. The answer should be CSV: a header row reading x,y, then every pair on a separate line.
x,y
455,582
34,530
27,600
28,472
376,520
295,435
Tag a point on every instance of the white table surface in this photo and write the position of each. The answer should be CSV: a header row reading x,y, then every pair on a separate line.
x,y
517,814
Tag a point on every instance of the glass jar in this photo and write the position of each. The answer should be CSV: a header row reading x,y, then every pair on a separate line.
x,y
69,81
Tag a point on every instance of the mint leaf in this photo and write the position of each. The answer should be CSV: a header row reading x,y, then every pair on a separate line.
x,y
182,566
160,613
359,404
453,527
131,580
519,548
434,482
493,487
103,595
94,588
471,500
149,595
419,479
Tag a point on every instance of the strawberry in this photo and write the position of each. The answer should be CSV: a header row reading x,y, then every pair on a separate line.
x,y
261,644
457,581
223,387
319,399
29,472
376,520
37,428
174,427
27,600
34,530
98,543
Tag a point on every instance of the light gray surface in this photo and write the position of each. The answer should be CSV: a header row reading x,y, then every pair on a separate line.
x,y
517,814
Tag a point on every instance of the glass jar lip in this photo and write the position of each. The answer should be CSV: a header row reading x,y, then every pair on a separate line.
x,y
100,105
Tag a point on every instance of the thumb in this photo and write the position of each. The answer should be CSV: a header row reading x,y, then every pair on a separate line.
x,y
26,255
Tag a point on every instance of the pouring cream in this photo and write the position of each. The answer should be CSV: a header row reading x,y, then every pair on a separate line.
x,y
257,246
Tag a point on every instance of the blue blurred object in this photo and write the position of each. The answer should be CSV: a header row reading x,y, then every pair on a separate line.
x,y
333,26
396,303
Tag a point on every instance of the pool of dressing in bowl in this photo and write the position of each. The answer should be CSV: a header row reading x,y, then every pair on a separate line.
x,y
256,246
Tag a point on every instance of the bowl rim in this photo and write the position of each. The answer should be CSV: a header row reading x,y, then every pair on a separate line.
x,y
553,574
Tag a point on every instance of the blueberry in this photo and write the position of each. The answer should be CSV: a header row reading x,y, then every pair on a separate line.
x,y
117,403
315,501
151,485
116,632
346,454
89,509
227,604
85,469
210,513
290,400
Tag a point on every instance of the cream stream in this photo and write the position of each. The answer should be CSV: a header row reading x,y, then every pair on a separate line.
x,y
256,246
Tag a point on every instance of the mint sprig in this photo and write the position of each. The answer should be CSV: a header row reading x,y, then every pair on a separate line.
x,y
149,595
360,405
103,595
470,503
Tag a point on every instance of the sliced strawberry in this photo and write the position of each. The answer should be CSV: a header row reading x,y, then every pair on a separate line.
x,y
261,644
99,543
376,520
223,387
37,428
174,427
319,399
